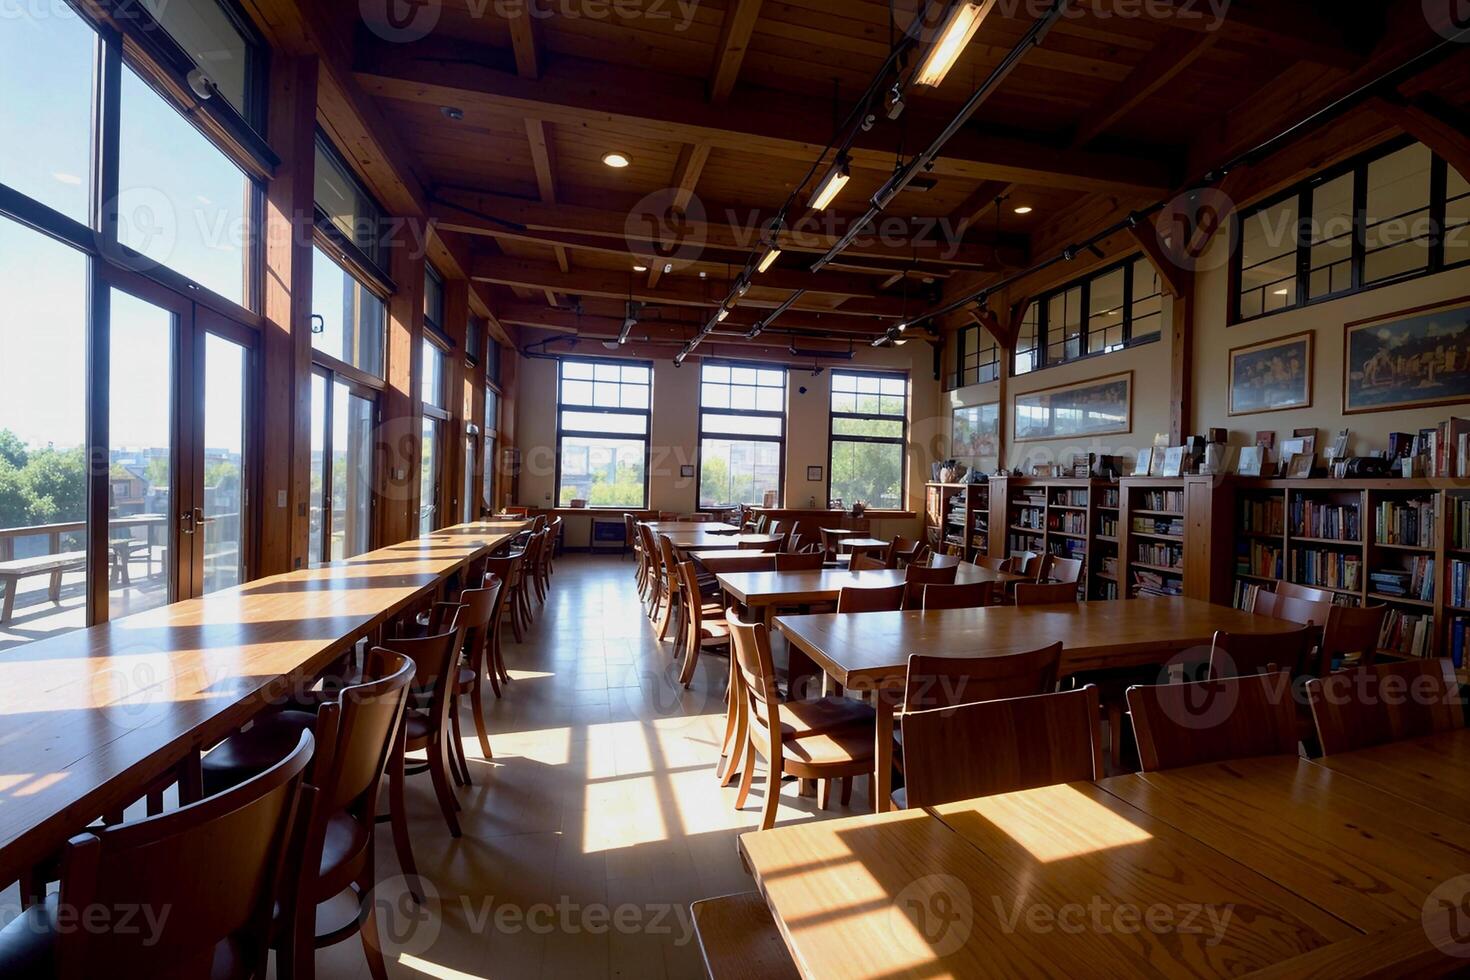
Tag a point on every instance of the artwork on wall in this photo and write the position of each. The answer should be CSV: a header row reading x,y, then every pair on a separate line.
x,y
1272,376
1408,359
975,437
1101,407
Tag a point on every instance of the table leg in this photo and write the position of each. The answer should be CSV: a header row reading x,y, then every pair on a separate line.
x,y
883,754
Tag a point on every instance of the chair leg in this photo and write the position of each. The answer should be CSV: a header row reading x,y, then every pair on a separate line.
x,y
367,928
439,771
691,658
747,776
824,794
402,843
744,751
846,790
477,709
773,799
515,619
666,620
457,765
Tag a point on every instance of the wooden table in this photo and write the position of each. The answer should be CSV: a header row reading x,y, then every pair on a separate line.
x,y
870,651
766,590
682,527
717,561
1321,875
686,541
855,545
1434,770
89,718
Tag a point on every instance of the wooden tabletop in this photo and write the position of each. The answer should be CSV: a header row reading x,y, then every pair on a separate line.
x,y
679,527
861,544
798,588
1434,770
89,717
873,648
704,541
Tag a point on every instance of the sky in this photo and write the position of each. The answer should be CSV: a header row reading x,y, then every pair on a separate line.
x,y
181,203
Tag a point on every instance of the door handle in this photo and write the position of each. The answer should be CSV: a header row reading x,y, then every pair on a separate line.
x,y
200,519
186,522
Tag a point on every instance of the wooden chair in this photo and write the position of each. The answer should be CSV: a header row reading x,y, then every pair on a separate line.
x,y
1307,592
214,866
1003,746
1050,593
904,551
997,564
943,682
1027,564
635,544
704,626
765,547
917,576
1352,633
971,595
502,570
1063,570
856,599
944,561
830,539
1355,709
865,563
1213,721
478,619
799,563
740,940
822,738
1238,654
427,728
652,573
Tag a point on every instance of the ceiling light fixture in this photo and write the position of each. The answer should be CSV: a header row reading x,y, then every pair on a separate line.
x,y
1024,209
722,316
452,112
769,259
964,19
616,160
640,268
833,183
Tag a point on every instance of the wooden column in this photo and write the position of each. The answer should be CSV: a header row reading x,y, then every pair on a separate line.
x,y
283,511
1181,366
399,443
456,324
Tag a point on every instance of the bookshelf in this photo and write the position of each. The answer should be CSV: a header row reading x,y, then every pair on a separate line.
x,y
958,515
1153,527
1456,595
1067,517
1104,581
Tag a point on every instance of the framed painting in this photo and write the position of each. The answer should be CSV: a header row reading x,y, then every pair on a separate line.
x,y
975,436
1409,359
1100,407
1272,376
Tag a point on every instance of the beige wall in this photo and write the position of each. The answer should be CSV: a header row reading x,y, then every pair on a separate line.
x,y
675,434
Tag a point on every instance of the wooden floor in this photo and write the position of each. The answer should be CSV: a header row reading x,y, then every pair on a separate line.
x,y
597,823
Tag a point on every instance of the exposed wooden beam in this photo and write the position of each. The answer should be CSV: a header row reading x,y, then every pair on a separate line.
x,y
740,18
537,136
525,41
1176,51
973,211
650,105
692,158
1175,279
601,309
1432,122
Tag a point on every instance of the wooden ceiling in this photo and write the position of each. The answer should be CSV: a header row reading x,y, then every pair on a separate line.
x,y
723,105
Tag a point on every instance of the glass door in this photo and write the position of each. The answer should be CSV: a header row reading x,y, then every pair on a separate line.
x,y
222,479
342,417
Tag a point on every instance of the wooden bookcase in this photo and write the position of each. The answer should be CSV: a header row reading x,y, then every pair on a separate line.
x,y
1064,517
1152,529
958,514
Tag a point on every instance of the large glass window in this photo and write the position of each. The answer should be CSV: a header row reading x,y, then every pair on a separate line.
x,y
1116,307
344,202
348,321
46,57
603,411
433,375
869,433
435,423
341,468
491,441
742,434
210,36
181,202
977,358
1371,220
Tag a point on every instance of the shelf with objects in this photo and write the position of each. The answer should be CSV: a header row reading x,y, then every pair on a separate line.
x,y
957,518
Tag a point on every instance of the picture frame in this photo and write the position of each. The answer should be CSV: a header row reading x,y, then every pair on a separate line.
x,y
1173,462
1143,462
686,471
1272,375
814,474
1251,461
1300,466
975,436
1105,405
1395,361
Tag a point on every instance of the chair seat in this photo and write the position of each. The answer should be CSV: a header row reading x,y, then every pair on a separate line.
x,y
739,939
28,947
416,726
816,716
900,798
467,678
253,751
342,851
841,747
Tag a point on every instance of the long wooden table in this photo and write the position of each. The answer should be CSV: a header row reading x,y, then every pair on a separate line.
x,y
681,527
89,718
870,651
1261,867
687,541
767,590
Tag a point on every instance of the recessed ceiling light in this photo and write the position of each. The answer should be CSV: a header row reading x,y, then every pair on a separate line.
x,y
616,160
640,268
1024,209
703,274
452,112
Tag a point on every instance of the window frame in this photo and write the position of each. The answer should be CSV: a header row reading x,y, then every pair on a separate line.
x,y
373,395
902,441
964,337
1042,303
646,438
780,440
1301,192
365,264
336,364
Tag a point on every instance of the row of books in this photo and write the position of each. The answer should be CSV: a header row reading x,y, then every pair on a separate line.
x,y
1263,516
1072,498
1447,446
1106,589
1107,527
1170,500
1069,521
1152,583
1407,634
1018,543
1323,519
1110,498
1414,582
1407,522
1460,583
1330,569
1110,566
1167,555
1068,548
1260,559
1165,525
1031,518
1245,594
1459,626
1460,528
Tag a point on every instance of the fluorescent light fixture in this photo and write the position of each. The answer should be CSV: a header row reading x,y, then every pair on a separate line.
x,y
722,316
1024,209
616,160
964,19
833,183
769,259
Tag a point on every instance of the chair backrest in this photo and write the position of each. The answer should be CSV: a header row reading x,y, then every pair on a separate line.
x,y
688,583
1352,630
761,523
997,564
630,532
903,549
1214,720
539,524
943,682
214,866
481,609
917,576
830,540
1004,746
1307,592
944,561
1047,594
1265,604
793,544
751,648
856,599
667,558
866,563
970,595
1298,610
354,737
1027,564
436,668
650,549
799,563
1354,709
1063,570
1238,654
